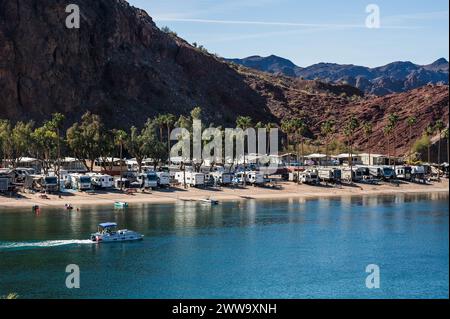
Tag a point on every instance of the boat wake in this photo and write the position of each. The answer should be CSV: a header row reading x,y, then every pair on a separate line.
x,y
41,244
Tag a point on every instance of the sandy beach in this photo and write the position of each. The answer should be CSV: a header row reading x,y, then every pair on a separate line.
x,y
288,190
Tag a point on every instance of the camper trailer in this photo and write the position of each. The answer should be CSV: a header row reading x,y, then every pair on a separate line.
x,y
403,172
330,175
163,179
354,174
222,178
102,181
251,177
148,179
310,176
191,178
81,182
418,174
6,180
388,173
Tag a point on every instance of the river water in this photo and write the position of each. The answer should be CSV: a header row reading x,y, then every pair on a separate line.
x,y
317,248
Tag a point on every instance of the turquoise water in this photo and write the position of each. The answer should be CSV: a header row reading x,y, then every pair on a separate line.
x,y
249,249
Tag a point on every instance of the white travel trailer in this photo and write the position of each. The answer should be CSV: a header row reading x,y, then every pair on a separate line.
x,y
163,179
251,177
332,175
148,179
101,181
81,182
403,172
222,178
190,178
418,174
354,174
310,176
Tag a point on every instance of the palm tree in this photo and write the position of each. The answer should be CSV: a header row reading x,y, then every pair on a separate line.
x,y
120,138
169,121
448,148
349,130
429,131
269,127
300,128
286,127
161,122
387,130
56,123
327,128
244,122
393,121
368,130
439,126
412,120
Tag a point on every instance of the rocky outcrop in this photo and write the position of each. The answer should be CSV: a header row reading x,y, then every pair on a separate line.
x,y
121,66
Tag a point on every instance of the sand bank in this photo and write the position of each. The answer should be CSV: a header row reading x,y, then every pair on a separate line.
x,y
288,190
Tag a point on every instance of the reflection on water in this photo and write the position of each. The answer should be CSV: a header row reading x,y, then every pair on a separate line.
x,y
295,248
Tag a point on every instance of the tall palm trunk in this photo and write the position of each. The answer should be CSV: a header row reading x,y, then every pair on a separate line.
x,y
439,156
121,165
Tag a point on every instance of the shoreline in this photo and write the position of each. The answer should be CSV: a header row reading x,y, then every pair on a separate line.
x,y
289,190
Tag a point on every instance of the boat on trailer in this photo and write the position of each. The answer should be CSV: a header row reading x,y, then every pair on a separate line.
x,y
108,233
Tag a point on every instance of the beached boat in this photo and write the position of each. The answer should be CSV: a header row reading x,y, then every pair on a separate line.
x,y
120,205
108,233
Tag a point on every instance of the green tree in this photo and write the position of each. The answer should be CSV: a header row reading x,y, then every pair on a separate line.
x,y
349,130
160,120
368,130
411,121
120,138
326,129
196,113
244,123
439,126
85,138
387,130
393,119
22,142
44,143
429,131
170,122
448,145
300,128
5,140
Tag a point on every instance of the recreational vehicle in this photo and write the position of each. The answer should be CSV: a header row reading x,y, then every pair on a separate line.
x,y
6,178
222,178
354,174
403,172
190,178
333,175
388,173
148,180
81,182
418,174
163,179
310,176
102,181
251,177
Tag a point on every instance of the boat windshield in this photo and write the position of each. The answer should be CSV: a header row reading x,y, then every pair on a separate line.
x,y
107,229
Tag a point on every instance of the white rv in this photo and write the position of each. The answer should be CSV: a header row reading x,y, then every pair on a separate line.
x,y
101,181
403,172
163,179
251,177
354,174
222,178
81,182
333,175
191,178
148,180
310,176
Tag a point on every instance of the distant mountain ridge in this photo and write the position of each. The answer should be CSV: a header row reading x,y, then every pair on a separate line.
x,y
395,77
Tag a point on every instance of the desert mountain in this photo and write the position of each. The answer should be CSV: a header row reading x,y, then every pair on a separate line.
x,y
395,77
120,65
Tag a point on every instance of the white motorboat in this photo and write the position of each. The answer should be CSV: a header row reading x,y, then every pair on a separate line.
x,y
108,233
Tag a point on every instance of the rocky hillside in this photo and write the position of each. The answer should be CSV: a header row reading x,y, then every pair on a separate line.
x,y
121,66
395,77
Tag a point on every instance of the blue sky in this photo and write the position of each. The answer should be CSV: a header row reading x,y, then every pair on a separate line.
x,y
309,32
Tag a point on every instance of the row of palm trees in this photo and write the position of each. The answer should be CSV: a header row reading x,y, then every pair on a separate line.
x,y
298,129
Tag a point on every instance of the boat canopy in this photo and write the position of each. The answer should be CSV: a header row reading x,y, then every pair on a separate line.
x,y
107,225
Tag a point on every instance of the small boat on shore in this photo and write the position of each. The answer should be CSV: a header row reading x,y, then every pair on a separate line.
x,y
108,233
120,204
